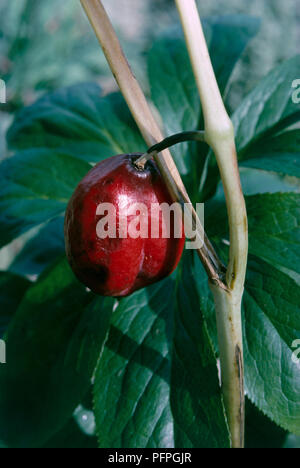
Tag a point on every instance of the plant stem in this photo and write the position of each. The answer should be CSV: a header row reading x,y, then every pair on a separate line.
x,y
219,134
150,130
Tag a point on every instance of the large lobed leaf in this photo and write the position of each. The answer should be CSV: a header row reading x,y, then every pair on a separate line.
x,y
269,108
261,116
271,313
271,324
53,344
132,380
144,392
277,154
41,250
173,87
77,121
35,187
57,138
196,399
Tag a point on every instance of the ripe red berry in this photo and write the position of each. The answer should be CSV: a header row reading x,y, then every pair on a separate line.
x,y
118,266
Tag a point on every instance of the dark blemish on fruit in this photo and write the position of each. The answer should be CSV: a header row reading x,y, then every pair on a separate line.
x,y
102,273
99,274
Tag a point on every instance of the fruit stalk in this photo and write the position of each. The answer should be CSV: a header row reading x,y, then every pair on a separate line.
x,y
168,142
219,134
150,130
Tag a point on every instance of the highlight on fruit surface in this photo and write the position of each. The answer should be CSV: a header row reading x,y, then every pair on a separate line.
x,y
118,237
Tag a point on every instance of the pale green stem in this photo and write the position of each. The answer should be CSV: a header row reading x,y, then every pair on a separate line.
x,y
219,135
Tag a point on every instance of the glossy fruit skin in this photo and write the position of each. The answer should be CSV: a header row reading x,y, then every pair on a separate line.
x,y
117,267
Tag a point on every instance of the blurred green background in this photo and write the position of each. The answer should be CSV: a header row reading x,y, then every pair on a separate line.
x,y
44,45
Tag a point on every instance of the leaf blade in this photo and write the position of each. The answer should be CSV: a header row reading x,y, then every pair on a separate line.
x,y
196,400
278,154
270,305
269,107
53,344
131,392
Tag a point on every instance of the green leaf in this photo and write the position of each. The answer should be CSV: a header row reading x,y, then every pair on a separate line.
x,y
41,250
136,380
271,302
269,107
267,110
12,290
77,121
53,344
255,181
227,38
271,324
278,154
173,87
57,138
174,92
195,391
274,227
79,432
131,391
35,186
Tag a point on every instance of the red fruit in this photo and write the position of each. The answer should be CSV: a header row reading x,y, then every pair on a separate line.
x,y
119,266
